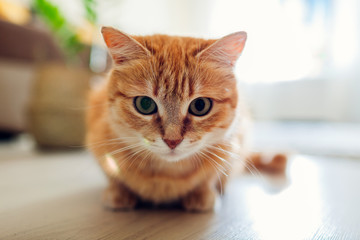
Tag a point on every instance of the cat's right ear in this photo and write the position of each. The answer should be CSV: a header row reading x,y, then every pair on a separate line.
x,y
226,50
122,47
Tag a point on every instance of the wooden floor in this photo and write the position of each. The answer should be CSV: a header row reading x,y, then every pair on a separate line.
x,y
57,196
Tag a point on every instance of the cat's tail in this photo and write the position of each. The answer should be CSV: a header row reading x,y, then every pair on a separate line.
x,y
266,162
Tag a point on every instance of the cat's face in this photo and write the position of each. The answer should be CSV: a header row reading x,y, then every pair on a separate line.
x,y
171,96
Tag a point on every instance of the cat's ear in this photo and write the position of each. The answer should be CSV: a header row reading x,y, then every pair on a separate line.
x,y
122,47
226,50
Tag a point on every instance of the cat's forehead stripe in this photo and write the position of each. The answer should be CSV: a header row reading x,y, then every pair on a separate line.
x,y
173,58
172,77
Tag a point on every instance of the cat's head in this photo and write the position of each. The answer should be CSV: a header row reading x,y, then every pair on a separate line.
x,y
172,96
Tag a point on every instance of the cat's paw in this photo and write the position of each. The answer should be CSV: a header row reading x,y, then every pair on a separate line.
x,y
200,200
119,198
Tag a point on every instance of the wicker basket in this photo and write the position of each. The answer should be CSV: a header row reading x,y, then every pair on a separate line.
x,y
57,107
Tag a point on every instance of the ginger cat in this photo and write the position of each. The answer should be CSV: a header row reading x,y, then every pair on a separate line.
x,y
167,124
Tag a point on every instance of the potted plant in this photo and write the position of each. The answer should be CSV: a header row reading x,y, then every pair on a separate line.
x,y
57,106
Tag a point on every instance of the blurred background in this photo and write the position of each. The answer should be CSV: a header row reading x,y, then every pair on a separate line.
x,y
299,70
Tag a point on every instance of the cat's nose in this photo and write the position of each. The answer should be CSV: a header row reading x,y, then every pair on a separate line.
x,y
173,143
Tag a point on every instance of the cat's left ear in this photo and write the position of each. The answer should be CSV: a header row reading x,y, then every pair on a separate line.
x,y
122,47
226,50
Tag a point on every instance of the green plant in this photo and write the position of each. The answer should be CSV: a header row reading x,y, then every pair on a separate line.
x,y
63,30
90,12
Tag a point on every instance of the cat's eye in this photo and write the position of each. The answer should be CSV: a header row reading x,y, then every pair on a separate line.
x,y
145,105
200,106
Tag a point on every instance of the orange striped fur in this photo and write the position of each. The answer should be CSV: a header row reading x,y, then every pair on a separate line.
x,y
129,146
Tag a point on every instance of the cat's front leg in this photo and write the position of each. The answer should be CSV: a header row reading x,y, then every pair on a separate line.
x,y
118,197
201,199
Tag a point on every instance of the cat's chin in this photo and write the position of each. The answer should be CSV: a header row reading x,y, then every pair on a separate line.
x,y
174,156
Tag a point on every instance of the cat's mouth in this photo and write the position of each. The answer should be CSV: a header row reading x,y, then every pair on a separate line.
x,y
172,152
175,155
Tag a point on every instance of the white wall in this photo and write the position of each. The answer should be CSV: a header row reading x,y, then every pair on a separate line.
x,y
319,100
319,83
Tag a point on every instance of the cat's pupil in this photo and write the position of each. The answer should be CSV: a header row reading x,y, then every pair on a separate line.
x,y
145,103
199,105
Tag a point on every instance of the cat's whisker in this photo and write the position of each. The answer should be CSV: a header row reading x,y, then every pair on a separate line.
x,y
124,160
123,139
133,146
229,165
216,171
223,167
95,144
136,155
131,158
108,144
218,166
114,154
232,154
251,168
143,161
198,160
246,162
220,158
212,161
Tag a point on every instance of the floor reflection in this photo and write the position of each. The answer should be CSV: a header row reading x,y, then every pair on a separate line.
x,y
286,207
